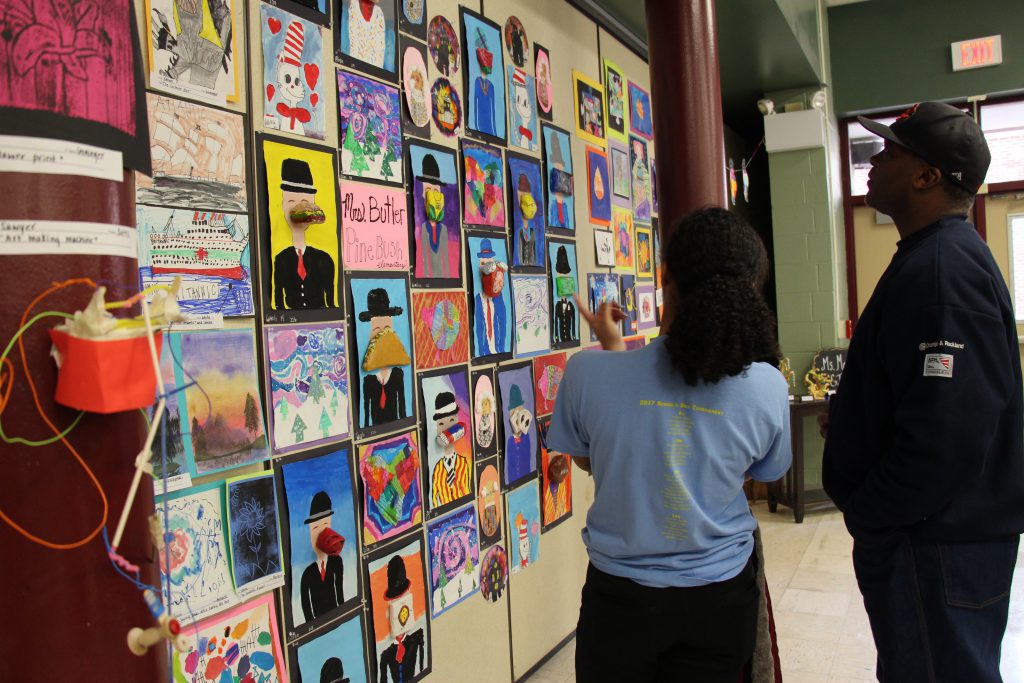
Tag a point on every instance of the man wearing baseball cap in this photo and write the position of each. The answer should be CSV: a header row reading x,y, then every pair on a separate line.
x,y
924,449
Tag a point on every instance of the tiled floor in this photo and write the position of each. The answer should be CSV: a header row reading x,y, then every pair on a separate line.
x,y
823,631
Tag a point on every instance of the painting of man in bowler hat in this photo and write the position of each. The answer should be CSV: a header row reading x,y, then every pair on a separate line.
x,y
489,310
321,584
565,288
433,258
403,658
384,387
303,274
333,671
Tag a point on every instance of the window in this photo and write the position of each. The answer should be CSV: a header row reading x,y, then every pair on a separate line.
x,y
1003,125
863,145
1017,264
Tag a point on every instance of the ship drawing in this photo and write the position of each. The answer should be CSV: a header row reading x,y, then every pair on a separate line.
x,y
205,247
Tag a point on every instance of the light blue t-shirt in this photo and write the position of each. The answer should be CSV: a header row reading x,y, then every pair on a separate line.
x,y
669,461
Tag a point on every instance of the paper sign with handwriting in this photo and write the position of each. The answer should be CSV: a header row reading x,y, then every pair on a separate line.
x,y
41,155
374,219
19,237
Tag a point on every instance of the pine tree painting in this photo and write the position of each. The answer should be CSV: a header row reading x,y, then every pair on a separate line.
x,y
299,428
325,423
316,386
385,164
358,164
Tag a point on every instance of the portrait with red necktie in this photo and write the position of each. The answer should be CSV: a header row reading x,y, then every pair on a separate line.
x,y
301,270
561,214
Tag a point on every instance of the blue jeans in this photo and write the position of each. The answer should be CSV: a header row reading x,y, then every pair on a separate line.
x,y
938,610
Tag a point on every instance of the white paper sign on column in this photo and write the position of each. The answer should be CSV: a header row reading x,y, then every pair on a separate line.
x,y
18,237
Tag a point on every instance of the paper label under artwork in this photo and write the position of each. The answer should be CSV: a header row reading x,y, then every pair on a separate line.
x,y
20,237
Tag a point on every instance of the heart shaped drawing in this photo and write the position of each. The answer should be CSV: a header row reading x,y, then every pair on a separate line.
x,y
313,99
274,24
312,74
270,92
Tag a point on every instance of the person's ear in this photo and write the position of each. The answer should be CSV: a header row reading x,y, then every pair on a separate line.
x,y
927,177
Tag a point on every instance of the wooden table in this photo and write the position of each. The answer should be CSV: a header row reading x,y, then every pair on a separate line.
x,y
790,489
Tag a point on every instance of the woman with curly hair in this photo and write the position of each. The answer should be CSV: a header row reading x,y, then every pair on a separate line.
x,y
670,432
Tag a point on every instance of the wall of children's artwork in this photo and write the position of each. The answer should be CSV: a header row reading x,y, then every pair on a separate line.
x,y
381,226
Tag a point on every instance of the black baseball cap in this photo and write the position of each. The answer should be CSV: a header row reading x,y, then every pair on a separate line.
x,y
945,137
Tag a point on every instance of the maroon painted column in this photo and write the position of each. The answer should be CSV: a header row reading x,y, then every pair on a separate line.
x,y
687,100
66,613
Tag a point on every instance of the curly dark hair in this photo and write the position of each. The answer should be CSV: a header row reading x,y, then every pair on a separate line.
x,y
722,324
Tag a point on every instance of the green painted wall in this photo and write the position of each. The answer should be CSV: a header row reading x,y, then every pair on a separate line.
x,y
889,53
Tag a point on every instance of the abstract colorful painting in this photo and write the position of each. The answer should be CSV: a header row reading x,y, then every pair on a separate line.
x,y
565,319
627,300
487,262
375,223
199,580
555,483
307,370
494,573
74,61
392,501
488,502
484,79
412,18
254,534
383,353
445,412
640,111
198,155
615,90
647,316
365,36
299,200
524,522
485,413
436,234
192,49
526,196
484,190
293,88
545,88
225,420
454,559
559,179
443,44
622,226
518,413
208,250
370,129
644,253
547,373
322,548
640,175
522,110
416,86
242,644
604,248
440,323
588,96
445,107
622,176
332,654
398,603
602,287
599,195
532,311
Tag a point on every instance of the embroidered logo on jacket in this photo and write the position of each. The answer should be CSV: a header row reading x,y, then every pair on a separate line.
x,y
938,365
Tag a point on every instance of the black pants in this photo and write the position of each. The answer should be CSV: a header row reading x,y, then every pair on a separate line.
x,y
630,632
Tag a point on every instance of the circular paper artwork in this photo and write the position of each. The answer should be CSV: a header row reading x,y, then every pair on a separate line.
x,y
485,415
413,10
446,108
444,46
545,90
516,42
444,328
489,503
414,80
494,573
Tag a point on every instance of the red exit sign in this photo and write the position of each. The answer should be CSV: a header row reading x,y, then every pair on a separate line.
x,y
977,52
